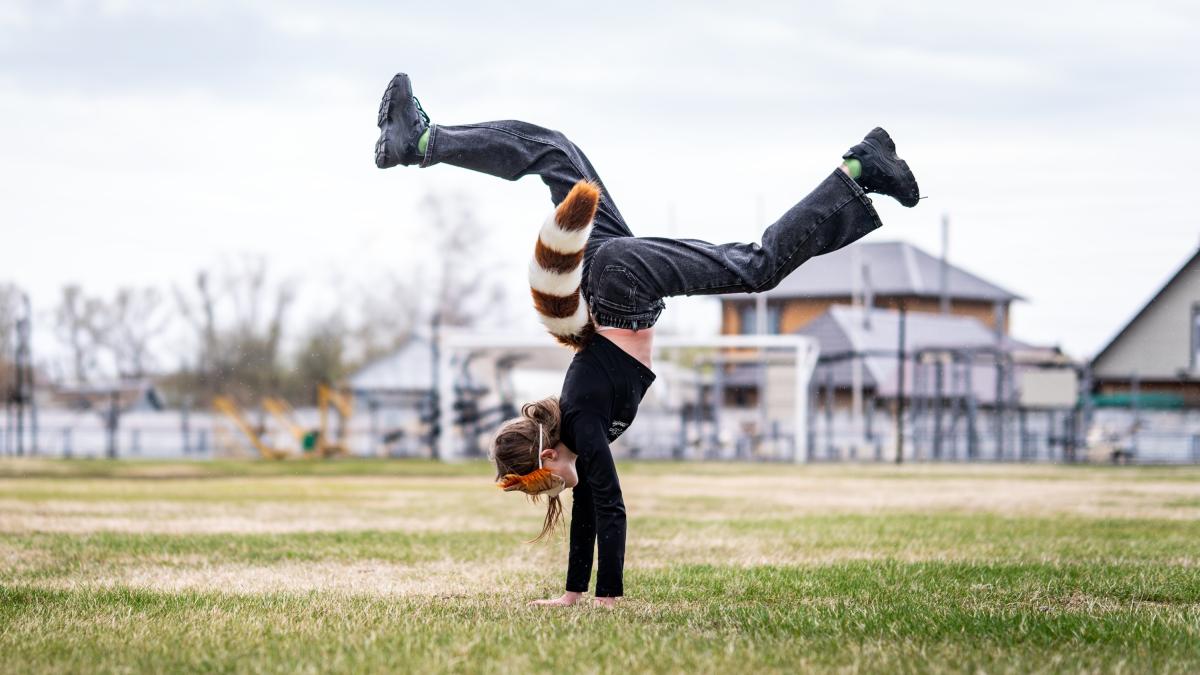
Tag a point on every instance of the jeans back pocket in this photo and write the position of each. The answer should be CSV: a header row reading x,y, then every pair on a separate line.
x,y
616,288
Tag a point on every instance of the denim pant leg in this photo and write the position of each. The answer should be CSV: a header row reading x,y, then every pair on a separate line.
x,y
511,149
636,273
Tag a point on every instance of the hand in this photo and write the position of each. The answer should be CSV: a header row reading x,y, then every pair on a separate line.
x,y
569,598
607,603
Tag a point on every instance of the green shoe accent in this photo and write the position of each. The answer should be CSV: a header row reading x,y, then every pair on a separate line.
x,y
852,165
423,143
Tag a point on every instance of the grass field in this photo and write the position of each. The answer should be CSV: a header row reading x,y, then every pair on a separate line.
x,y
411,566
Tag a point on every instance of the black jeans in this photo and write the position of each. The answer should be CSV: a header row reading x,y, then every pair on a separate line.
x,y
625,278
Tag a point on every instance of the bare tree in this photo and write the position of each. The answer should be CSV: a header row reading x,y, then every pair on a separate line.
x,y
321,357
238,314
460,293
10,310
389,311
238,320
198,309
79,325
134,318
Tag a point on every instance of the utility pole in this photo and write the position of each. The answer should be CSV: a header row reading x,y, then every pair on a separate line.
x,y
21,396
972,408
112,422
1084,411
868,297
903,354
435,408
762,328
939,366
856,366
944,272
1000,412
1135,405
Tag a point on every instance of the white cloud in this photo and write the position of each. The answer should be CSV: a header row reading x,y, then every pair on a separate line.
x,y
142,139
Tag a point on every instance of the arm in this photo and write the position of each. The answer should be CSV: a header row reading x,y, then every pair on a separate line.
x,y
583,535
584,520
607,503
583,538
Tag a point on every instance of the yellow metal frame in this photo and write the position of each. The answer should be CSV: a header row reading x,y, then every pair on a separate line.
x,y
344,402
283,413
230,409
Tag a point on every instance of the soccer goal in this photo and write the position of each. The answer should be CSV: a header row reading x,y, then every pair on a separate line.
x,y
715,398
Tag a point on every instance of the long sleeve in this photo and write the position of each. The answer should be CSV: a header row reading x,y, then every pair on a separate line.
x,y
583,535
607,503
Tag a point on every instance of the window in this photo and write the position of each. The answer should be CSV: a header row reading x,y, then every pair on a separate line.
x,y
748,321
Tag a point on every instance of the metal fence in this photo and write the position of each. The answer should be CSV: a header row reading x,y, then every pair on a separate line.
x,y
1029,435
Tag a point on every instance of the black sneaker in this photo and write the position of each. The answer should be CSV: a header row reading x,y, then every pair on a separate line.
x,y
401,123
882,171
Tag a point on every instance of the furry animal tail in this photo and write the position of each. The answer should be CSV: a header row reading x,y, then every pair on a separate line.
x,y
556,271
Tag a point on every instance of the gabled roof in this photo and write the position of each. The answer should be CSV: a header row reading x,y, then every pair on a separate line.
x,y
922,330
1146,307
896,268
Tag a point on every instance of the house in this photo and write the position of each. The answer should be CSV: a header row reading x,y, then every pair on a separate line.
x,y
845,333
1158,350
892,274
396,392
970,352
407,371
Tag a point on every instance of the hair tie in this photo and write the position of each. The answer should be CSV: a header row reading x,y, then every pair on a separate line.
x,y
541,446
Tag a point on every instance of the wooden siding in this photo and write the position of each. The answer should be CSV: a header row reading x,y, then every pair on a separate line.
x,y
799,312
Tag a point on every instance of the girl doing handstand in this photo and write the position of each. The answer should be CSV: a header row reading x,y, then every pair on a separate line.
x,y
599,290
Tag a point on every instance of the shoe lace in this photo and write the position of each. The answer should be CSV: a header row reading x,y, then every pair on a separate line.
x,y
421,111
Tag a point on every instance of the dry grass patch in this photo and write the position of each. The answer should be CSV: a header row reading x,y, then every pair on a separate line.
x,y
801,494
366,577
729,569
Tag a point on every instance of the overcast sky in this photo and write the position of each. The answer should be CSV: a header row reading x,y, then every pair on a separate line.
x,y
141,140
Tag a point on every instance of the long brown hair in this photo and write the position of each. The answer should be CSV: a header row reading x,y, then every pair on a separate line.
x,y
515,452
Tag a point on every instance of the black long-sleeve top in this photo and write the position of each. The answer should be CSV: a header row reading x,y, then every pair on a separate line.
x,y
600,397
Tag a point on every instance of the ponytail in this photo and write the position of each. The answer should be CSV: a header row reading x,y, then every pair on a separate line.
x,y
517,452
554,511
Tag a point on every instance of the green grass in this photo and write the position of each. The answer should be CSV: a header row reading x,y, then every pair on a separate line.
x,y
420,567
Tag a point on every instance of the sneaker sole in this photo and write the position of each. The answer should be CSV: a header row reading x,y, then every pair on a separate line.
x,y
399,89
882,140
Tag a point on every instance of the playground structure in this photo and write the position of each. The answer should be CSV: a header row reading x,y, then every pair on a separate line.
x,y
324,445
228,407
309,442
685,414
402,394
898,386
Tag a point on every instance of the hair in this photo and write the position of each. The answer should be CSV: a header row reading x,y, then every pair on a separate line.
x,y
515,452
